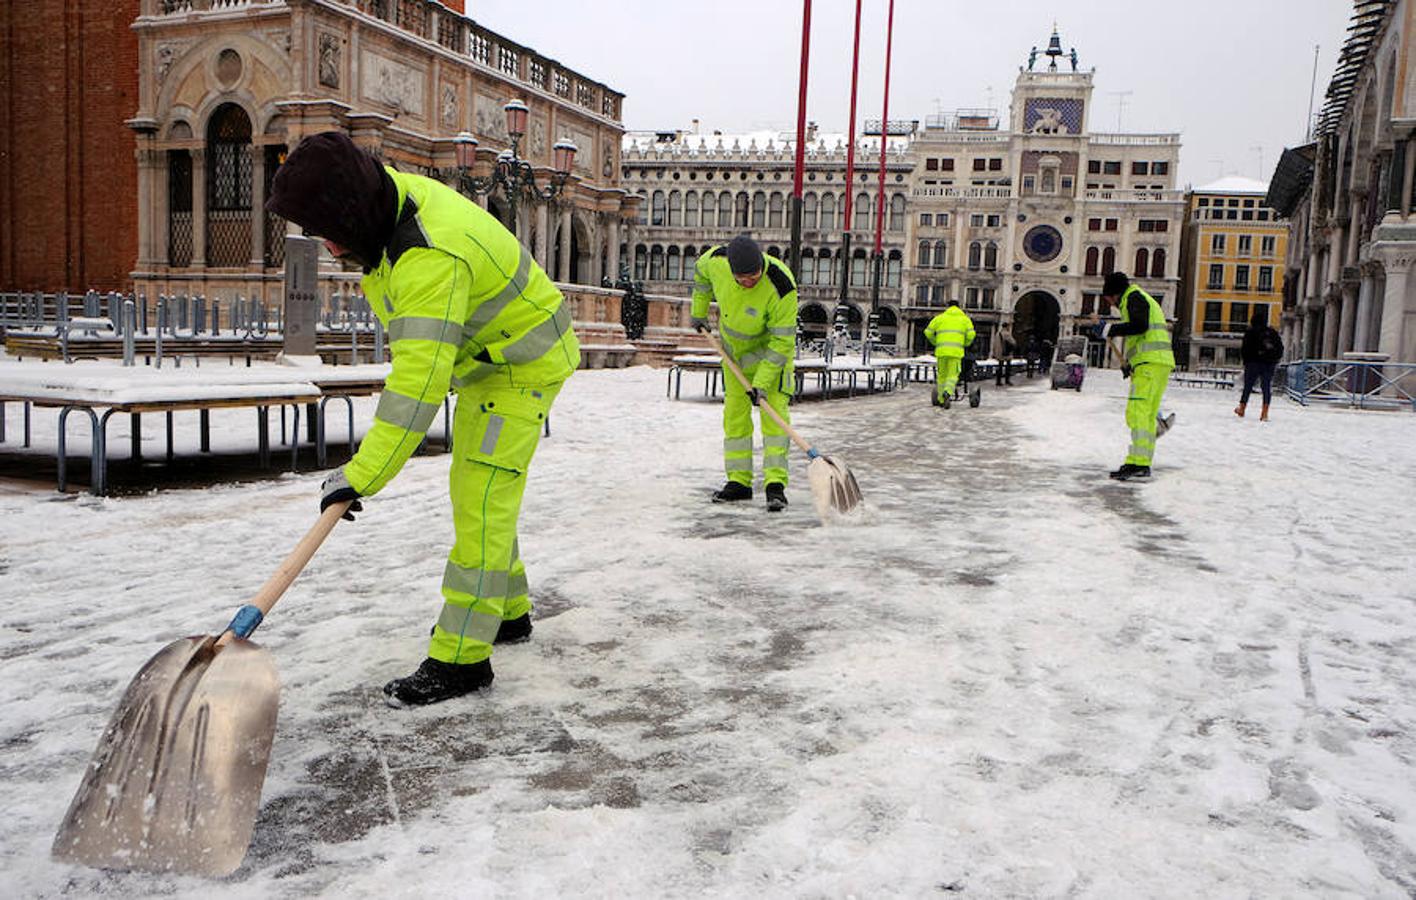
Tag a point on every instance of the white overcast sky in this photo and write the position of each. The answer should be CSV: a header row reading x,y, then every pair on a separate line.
x,y
1233,77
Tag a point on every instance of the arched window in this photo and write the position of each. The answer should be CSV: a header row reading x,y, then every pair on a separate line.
x,y
941,255
1093,255
656,263
1142,268
229,173
742,210
1108,260
926,254
858,268
690,258
862,212
659,212
990,256
641,262
710,209
808,211
975,255
897,213
1158,263
808,267
828,212
643,207
774,210
675,208
759,209
725,210
825,272
675,267
892,269
690,209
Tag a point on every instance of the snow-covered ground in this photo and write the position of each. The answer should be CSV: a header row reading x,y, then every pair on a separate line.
x,y
1015,678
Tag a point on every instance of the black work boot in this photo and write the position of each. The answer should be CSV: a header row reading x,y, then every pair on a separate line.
x,y
732,492
514,631
776,497
436,681
1129,471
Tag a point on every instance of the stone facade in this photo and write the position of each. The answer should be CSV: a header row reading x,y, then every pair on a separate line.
x,y
699,190
1348,197
227,86
1019,222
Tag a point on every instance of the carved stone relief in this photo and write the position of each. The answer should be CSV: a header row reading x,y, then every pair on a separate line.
x,y
449,118
168,53
585,155
391,83
607,162
329,60
490,121
536,145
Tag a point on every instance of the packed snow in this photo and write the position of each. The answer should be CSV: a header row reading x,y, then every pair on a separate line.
x,y
1012,677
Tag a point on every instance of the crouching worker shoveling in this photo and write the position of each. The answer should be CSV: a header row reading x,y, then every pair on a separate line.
x,y
464,305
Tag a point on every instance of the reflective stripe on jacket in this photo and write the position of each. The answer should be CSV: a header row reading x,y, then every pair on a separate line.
x,y
758,324
950,332
463,303
1153,344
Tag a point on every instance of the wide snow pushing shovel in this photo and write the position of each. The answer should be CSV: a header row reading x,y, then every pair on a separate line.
x,y
175,783
833,487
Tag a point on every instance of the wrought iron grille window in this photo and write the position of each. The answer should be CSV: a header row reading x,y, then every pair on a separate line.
x,y
229,187
179,208
274,225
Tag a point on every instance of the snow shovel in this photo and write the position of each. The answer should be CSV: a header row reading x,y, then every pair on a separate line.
x,y
833,487
175,783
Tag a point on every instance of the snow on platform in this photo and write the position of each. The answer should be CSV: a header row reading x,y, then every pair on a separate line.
x,y
1013,678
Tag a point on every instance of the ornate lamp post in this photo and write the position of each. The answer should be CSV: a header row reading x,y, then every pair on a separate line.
x,y
513,175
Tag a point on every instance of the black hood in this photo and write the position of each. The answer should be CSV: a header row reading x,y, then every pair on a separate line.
x,y
334,190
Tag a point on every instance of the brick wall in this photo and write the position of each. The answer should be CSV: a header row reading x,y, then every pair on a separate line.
x,y
68,177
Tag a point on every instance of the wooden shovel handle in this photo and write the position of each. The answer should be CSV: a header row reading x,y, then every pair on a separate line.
x,y
766,407
293,564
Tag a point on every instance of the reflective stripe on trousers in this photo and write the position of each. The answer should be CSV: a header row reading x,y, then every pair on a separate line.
x,y
737,436
1148,382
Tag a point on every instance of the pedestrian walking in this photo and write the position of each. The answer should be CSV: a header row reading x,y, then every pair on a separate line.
x,y
465,306
950,332
1003,349
757,316
1261,351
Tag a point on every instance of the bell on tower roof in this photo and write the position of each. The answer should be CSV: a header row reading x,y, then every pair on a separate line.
x,y
1054,49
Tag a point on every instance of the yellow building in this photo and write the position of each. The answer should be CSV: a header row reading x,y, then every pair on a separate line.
x,y
1233,256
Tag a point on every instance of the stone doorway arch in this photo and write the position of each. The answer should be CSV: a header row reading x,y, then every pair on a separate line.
x,y
1037,318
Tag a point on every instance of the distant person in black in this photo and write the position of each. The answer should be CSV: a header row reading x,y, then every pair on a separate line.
x,y
1261,351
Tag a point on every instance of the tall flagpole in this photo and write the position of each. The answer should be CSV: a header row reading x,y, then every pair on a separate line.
x,y
794,258
850,182
879,255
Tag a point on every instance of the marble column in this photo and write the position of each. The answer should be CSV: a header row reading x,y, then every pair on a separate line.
x,y
1332,316
1348,315
1394,303
614,247
258,198
563,270
199,208
1362,318
543,223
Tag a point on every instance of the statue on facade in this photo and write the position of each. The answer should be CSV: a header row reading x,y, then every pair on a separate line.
x,y
1074,59
1032,58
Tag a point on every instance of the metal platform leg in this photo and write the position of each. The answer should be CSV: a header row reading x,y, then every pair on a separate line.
x,y
61,458
136,437
263,438
206,430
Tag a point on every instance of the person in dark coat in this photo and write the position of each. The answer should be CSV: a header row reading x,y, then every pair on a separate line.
x,y
1261,351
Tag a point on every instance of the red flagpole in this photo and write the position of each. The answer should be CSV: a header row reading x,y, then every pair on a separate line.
x,y
795,256
884,127
850,163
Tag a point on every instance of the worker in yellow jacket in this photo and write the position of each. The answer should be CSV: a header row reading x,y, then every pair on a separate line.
x,y
465,306
950,332
757,315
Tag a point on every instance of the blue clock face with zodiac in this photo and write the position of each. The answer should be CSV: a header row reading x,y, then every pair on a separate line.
x,y
1042,243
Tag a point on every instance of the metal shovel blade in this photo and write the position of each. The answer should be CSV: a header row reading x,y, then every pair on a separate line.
x,y
833,487
175,783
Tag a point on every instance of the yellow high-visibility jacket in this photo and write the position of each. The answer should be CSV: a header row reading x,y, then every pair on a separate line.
x,y
758,324
950,332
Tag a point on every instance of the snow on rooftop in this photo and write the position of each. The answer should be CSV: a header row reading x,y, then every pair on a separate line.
x,y
1234,184
1012,678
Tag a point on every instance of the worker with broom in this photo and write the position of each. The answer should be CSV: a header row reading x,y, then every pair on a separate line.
x,y
465,305
950,332
757,315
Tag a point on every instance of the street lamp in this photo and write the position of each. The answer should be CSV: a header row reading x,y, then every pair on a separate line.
x,y
513,175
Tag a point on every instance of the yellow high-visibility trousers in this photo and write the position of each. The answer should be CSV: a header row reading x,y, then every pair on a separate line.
x,y
1148,382
737,435
946,375
495,434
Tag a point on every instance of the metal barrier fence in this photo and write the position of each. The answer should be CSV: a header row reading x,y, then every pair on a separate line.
x,y
1341,382
177,325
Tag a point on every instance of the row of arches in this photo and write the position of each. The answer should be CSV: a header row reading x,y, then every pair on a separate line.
x,y
657,262
815,321
1149,263
763,209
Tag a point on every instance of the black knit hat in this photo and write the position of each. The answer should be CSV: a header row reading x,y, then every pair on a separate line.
x,y
335,190
744,256
1115,284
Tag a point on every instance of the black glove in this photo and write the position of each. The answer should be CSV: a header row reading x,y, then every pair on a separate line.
x,y
336,489
754,396
1125,370
700,324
